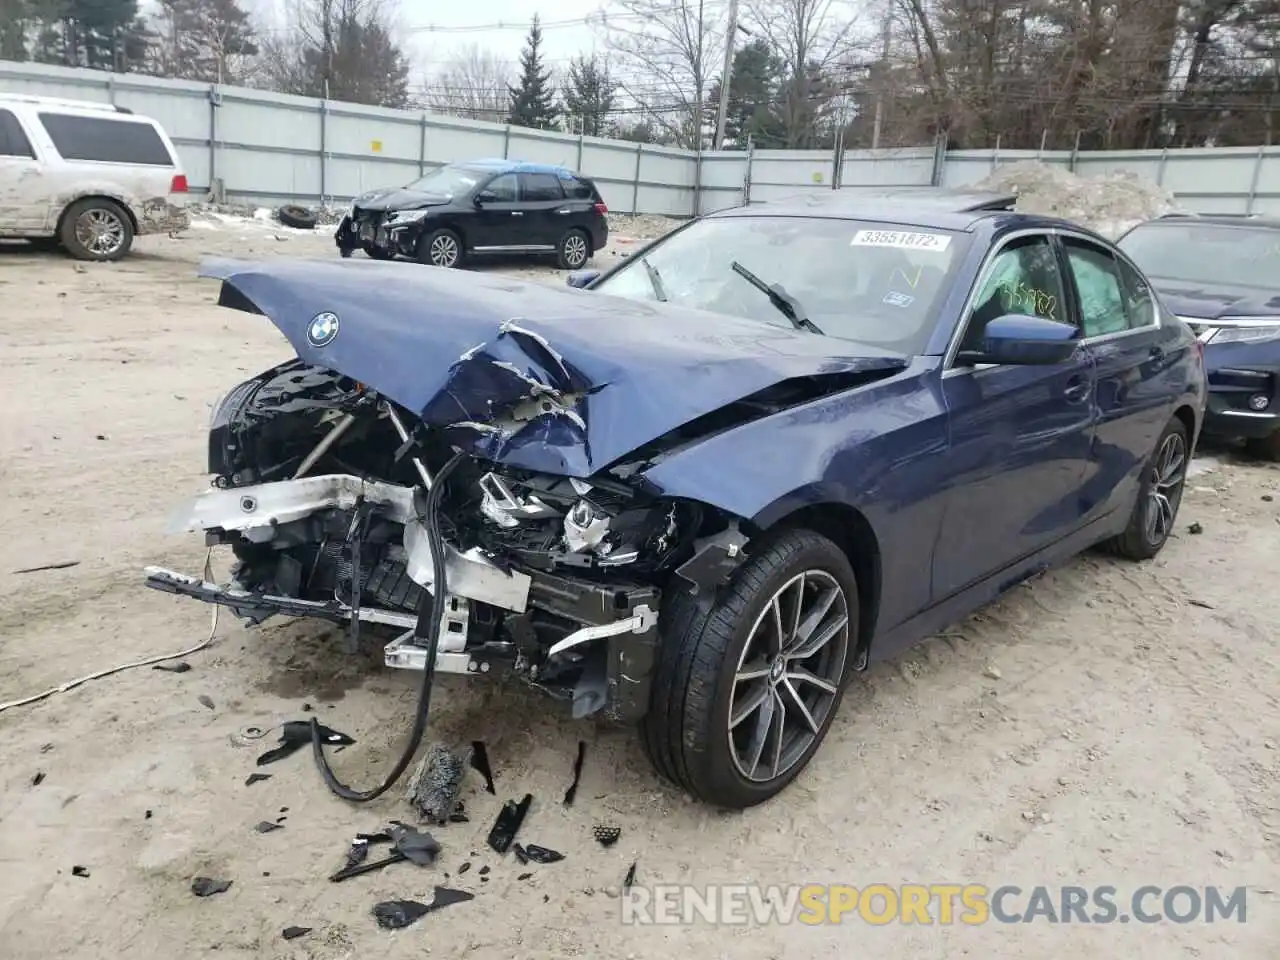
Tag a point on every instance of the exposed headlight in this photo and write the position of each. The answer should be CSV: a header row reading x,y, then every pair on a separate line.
x,y
402,217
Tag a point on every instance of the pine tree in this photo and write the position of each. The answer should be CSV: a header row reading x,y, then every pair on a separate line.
x,y
533,100
589,96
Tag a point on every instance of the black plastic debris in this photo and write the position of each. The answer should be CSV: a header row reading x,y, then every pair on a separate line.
x,y
630,878
508,823
457,817
266,826
64,565
524,876
435,784
357,853
577,774
415,846
296,734
1200,603
1195,528
546,898
484,879
38,778
380,837
480,764
606,834
207,887
180,667
293,933
484,871
205,702
519,852
464,868
78,871
146,814
396,914
1267,497
542,854
256,778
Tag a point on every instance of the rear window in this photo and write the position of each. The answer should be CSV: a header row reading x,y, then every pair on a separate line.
x,y
580,189
13,139
106,139
540,186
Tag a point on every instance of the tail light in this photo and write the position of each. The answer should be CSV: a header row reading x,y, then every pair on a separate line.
x,y
600,208
178,184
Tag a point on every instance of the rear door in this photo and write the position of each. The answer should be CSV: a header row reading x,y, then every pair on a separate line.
x,y
1138,369
1020,436
24,197
546,208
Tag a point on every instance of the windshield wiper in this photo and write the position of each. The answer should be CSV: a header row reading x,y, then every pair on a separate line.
x,y
787,305
655,279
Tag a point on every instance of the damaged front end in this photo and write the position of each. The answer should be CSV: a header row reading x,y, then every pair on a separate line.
x,y
318,486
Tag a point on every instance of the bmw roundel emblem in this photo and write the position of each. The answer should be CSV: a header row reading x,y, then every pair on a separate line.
x,y
323,329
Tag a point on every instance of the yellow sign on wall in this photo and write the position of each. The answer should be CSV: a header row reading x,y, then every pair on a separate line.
x,y
376,146
817,178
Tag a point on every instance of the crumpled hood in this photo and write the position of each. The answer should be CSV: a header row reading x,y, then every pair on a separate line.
x,y
546,378
1203,302
398,198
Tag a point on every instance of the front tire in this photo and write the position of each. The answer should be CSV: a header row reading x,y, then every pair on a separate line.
x,y
441,248
1159,495
747,682
377,253
96,229
573,250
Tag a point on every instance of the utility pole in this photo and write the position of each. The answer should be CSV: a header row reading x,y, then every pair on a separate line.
x,y
731,35
882,80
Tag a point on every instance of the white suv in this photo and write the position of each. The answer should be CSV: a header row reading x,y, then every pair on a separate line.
x,y
88,176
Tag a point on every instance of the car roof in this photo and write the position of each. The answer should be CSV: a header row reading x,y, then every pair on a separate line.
x,y
916,206
504,165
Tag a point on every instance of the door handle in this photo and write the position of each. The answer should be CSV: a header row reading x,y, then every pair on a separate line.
x,y
565,210
1076,390
517,213
1157,353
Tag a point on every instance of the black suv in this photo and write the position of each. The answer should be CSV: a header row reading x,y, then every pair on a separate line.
x,y
477,208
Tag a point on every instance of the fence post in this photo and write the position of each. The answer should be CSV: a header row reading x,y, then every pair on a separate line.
x,y
324,147
1075,153
111,89
835,158
215,99
422,145
697,181
578,169
746,174
1044,136
635,181
1164,159
506,141
995,155
938,174
1253,183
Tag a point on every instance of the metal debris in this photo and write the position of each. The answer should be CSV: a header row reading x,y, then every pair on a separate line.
x,y
435,784
293,933
542,854
296,734
606,834
577,774
508,823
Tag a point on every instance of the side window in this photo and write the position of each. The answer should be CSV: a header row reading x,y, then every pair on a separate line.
x,y
535,187
13,139
1098,283
503,188
1140,300
1024,279
578,190
106,140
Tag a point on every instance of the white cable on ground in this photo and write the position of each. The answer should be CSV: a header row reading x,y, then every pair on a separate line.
x,y
71,684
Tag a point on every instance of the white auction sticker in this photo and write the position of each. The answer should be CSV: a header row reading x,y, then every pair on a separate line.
x,y
903,240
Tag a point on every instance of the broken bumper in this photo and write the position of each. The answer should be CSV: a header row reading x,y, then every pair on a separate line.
x,y
619,622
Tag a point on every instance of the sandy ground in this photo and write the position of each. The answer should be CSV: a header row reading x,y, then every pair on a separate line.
x,y
1107,724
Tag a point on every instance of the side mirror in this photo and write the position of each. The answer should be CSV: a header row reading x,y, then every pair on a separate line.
x,y
580,278
1020,340
483,197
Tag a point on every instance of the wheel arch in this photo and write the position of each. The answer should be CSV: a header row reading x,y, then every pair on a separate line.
x,y
1187,415
97,195
852,532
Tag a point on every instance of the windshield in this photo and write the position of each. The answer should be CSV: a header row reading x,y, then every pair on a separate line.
x,y
447,181
1208,254
874,283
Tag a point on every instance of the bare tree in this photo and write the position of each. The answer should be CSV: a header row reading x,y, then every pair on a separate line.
x,y
207,40
810,38
473,83
668,52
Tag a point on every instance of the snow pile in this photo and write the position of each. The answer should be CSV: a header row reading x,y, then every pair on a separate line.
x,y
1110,203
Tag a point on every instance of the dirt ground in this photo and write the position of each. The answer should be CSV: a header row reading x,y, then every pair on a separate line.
x,y
1107,724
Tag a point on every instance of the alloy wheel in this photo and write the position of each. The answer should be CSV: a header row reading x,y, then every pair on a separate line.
x,y
575,250
788,677
100,232
1168,473
444,251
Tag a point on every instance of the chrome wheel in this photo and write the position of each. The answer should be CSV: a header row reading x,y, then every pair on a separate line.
x,y
444,251
575,250
100,231
788,676
1168,473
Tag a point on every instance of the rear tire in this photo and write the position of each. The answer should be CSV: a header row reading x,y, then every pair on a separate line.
x,y
96,229
300,218
573,250
719,655
1265,448
441,248
1164,478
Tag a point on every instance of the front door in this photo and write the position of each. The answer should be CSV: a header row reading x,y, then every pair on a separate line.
x,y
1138,365
24,200
1019,435
499,218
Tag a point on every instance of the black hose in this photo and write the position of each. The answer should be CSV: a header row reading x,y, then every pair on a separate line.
x,y
428,610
